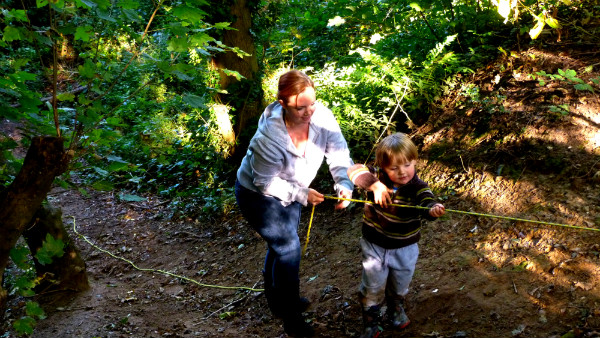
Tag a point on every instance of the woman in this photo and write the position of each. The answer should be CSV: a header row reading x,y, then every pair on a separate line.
x,y
294,134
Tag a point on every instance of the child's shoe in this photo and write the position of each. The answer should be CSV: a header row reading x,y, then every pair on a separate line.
x,y
372,332
372,322
396,314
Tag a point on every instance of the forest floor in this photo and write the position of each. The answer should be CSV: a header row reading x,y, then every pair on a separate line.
x,y
515,148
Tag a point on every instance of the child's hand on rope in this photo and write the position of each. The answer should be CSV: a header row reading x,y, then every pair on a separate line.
x,y
437,210
343,194
381,194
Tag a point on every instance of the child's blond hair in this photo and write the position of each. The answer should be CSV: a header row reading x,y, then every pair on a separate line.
x,y
397,146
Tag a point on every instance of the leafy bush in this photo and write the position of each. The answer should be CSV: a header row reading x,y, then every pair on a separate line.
x,y
22,280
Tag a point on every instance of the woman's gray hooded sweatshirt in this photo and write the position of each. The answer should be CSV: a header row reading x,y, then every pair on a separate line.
x,y
274,167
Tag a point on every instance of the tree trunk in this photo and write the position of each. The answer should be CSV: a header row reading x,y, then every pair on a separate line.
x,y
66,272
250,104
45,160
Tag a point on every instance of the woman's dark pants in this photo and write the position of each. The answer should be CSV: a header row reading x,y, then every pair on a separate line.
x,y
278,226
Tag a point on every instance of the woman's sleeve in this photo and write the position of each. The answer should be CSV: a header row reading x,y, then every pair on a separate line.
x,y
266,164
338,158
361,176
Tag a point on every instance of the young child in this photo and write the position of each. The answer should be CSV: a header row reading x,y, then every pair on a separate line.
x,y
390,233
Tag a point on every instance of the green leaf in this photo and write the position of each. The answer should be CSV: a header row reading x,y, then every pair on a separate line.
x,y
83,33
23,76
11,34
65,97
103,186
103,4
24,325
43,39
132,15
237,75
19,256
51,248
135,179
117,166
114,158
57,4
194,100
200,39
86,3
24,283
18,14
83,192
521,267
20,63
584,86
416,6
101,171
104,14
223,25
189,14
33,309
128,4
88,69
27,293
182,76
226,314
132,198
115,122
67,28
552,22
199,2
178,30
240,53
177,45
62,183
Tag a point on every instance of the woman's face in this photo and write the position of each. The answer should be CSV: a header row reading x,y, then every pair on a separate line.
x,y
301,107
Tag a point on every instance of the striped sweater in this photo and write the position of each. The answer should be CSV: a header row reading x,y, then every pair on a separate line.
x,y
393,227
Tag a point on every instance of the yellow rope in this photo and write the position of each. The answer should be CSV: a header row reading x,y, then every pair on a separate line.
x,y
158,270
470,213
308,232
308,237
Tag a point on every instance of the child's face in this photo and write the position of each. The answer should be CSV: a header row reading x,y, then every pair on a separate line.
x,y
400,172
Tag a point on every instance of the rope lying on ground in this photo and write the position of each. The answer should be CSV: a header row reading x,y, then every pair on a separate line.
x,y
158,270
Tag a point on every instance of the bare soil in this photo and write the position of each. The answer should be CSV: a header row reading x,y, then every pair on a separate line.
x,y
507,152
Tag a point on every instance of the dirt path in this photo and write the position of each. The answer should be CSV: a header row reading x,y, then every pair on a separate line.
x,y
475,277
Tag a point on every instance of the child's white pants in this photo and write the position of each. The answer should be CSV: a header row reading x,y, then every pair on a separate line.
x,y
386,271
